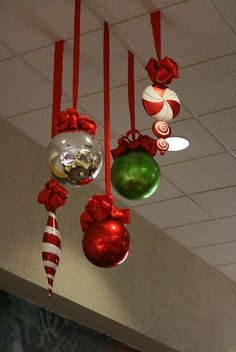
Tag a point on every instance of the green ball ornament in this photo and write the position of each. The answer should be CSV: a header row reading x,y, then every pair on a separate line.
x,y
135,175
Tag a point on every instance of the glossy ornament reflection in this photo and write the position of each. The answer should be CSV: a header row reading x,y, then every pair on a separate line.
x,y
135,175
74,158
106,243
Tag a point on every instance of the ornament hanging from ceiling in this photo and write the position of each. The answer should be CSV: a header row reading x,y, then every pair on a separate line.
x,y
135,174
53,196
74,156
106,241
160,102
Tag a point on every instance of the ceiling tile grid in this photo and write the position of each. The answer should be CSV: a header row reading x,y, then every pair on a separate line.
x,y
195,203
203,174
203,233
219,203
28,25
173,212
21,90
218,254
197,19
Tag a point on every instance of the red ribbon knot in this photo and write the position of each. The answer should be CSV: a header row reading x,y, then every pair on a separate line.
x,y
53,196
100,207
70,119
143,142
162,71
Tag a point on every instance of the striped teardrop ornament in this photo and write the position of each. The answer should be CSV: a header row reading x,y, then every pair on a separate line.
x,y
51,249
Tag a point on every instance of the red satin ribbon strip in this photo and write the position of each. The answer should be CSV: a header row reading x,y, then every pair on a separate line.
x,y
106,77
131,92
76,53
57,84
156,30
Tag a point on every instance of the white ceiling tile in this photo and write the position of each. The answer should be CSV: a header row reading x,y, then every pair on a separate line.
x,y
203,174
202,234
228,9
37,125
4,53
229,224
114,11
209,86
197,19
223,125
173,212
201,142
91,64
217,254
229,270
26,25
219,203
21,89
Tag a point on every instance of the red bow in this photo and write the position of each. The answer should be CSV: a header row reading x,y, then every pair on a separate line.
x,y
53,196
100,207
72,120
125,144
162,71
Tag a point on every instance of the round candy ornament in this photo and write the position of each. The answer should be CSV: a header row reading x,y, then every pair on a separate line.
x,y
106,243
74,158
135,175
161,102
162,145
161,129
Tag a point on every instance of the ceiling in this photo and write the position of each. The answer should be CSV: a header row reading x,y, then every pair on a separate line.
x,y
196,202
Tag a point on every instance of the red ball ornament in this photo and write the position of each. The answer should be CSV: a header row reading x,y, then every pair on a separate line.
x,y
106,243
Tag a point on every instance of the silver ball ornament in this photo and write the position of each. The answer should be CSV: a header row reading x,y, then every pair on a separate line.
x,y
74,158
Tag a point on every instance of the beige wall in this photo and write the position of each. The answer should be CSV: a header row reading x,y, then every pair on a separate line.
x,y
163,293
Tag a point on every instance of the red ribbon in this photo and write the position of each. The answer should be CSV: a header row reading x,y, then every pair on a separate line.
x,y
53,196
131,95
107,118
100,207
57,84
125,144
162,71
72,120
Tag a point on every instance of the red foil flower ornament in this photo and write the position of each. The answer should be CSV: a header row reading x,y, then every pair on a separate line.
x,y
70,119
100,207
53,196
140,141
163,71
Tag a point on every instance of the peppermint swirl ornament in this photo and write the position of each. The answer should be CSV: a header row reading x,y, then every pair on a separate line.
x,y
161,102
161,129
162,146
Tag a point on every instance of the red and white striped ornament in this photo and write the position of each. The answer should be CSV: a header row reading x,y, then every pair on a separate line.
x,y
162,146
51,249
161,103
161,129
